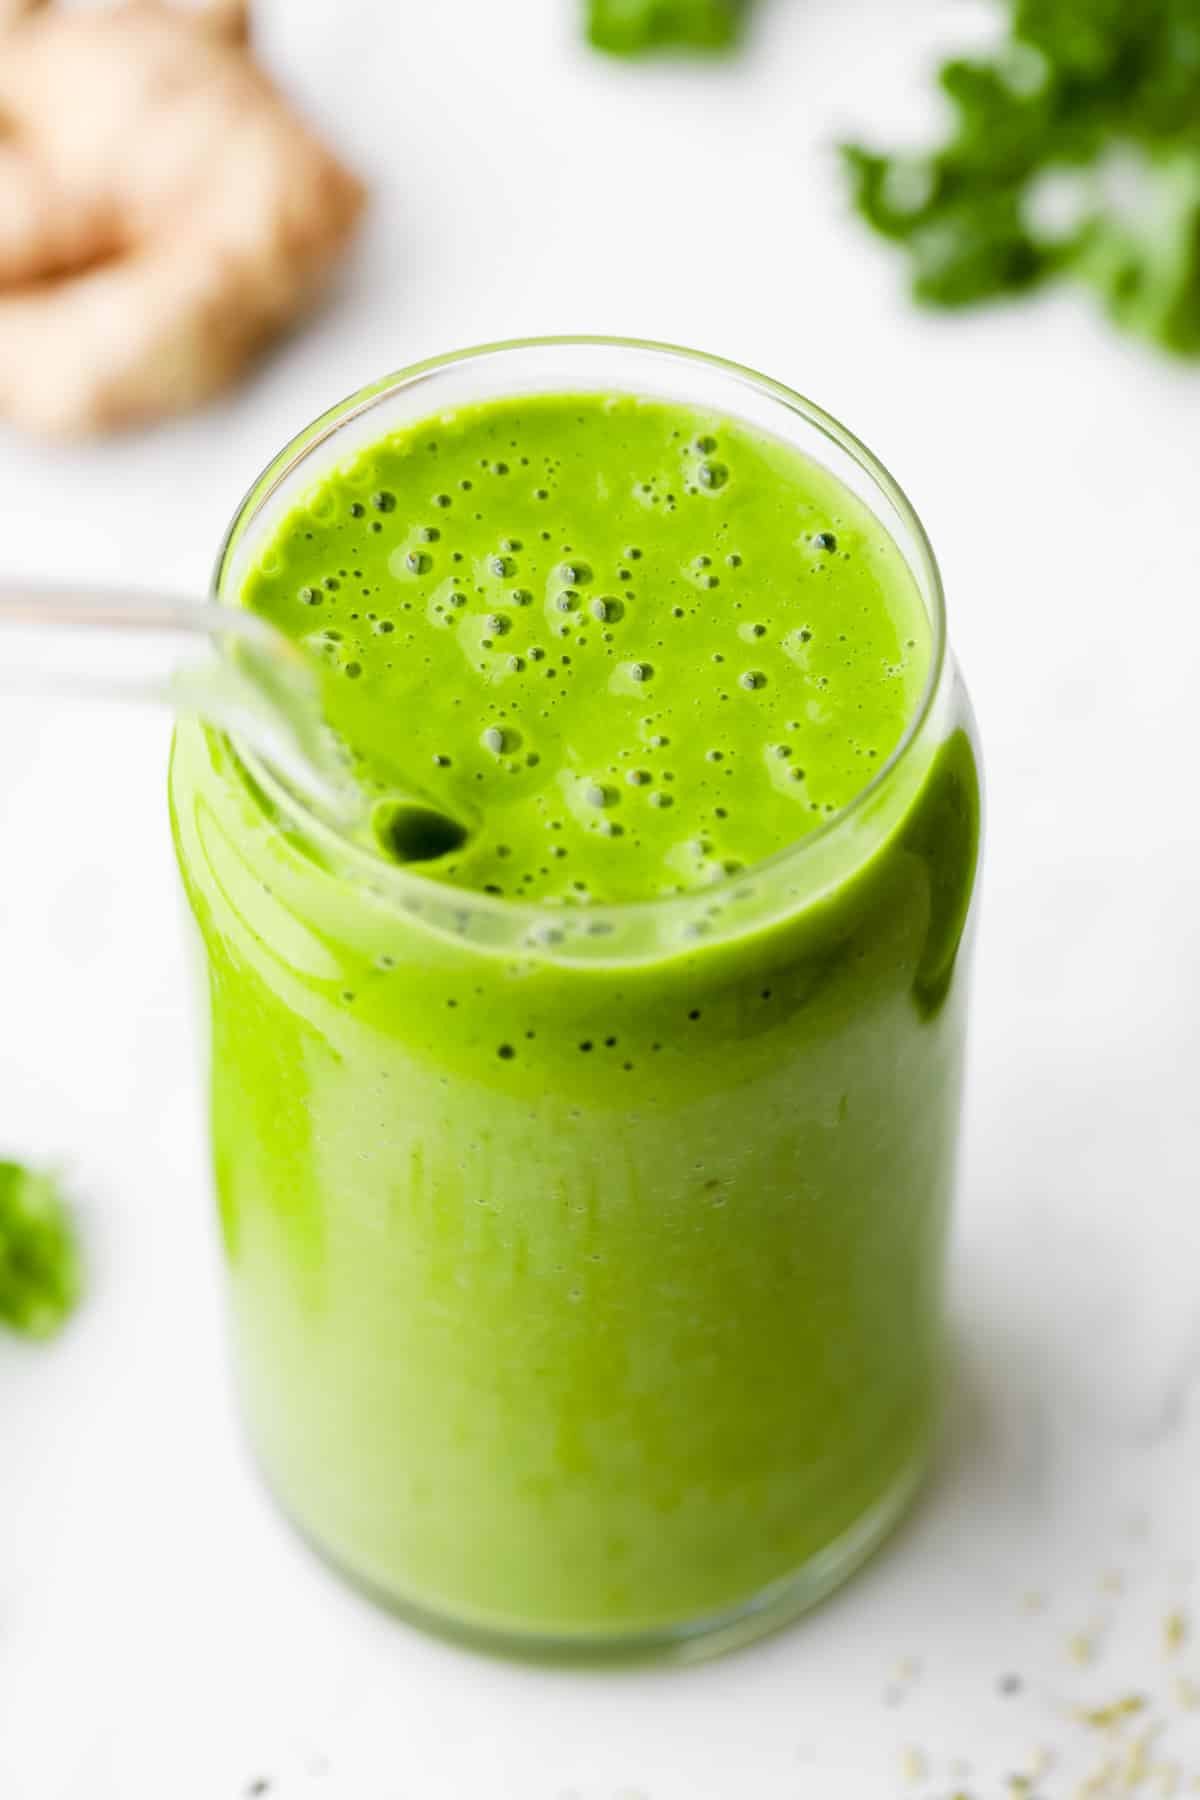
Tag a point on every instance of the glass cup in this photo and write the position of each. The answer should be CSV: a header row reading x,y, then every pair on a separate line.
x,y
588,1355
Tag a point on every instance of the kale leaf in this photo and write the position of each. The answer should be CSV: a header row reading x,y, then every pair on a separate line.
x,y
39,1262
1074,151
627,27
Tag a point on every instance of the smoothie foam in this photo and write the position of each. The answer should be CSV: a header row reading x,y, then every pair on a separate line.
x,y
639,646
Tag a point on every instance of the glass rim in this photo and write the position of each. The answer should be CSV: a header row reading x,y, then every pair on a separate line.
x,y
406,879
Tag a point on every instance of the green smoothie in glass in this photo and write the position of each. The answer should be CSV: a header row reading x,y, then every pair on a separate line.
x,y
584,1178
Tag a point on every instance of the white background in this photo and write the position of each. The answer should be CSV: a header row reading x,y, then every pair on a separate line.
x,y
160,1632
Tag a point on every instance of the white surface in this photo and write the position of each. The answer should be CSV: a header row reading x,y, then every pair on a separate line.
x,y
160,1633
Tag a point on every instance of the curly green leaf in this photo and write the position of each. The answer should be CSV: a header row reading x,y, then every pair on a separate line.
x,y
1076,89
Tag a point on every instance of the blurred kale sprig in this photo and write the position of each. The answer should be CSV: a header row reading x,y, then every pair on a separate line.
x,y
627,27
1074,150
39,1263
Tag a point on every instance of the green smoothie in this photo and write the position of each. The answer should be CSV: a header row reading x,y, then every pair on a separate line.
x,y
584,1186
641,648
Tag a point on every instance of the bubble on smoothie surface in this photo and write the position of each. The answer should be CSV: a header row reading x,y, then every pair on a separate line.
x,y
632,630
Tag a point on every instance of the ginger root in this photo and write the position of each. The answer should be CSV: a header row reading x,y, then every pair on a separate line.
x,y
163,211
